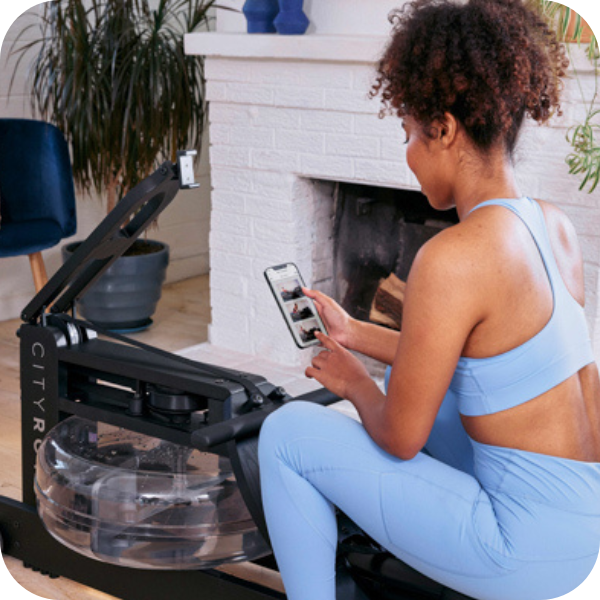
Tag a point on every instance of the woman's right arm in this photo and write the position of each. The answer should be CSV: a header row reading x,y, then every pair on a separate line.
x,y
375,341
369,339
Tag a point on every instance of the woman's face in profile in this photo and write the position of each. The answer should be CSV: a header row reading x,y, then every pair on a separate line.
x,y
426,164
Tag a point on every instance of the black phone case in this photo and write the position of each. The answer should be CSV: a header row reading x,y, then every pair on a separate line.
x,y
270,284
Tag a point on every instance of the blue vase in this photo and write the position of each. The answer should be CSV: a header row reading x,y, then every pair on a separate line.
x,y
291,19
260,15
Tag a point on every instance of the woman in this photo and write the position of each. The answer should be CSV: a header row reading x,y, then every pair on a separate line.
x,y
493,374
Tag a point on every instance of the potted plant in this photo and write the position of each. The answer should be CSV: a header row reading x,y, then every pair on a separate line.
x,y
584,158
113,76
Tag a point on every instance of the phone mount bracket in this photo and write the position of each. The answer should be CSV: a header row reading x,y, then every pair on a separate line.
x,y
112,237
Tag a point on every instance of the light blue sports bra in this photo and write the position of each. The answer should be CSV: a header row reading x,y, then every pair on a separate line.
x,y
483,386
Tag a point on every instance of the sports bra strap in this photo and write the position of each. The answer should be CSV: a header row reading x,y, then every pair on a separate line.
x,y
487,385
530,213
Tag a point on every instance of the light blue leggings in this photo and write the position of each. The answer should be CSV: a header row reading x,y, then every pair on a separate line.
x,y
490,522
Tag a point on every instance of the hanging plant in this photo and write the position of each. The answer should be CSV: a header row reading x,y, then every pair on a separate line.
x,y
585,159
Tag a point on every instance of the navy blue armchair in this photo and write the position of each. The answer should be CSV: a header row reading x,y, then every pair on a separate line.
x,y
37,198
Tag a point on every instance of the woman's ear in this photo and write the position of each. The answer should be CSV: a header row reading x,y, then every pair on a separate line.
x,y
447,129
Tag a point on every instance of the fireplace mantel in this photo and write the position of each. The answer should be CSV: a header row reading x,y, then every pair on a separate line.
x,y
324,48
327,48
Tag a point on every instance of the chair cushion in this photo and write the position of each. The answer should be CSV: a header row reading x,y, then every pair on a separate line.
x,y
26,238
36,182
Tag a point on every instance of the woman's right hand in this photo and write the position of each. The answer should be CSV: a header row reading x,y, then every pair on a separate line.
x,y
337,321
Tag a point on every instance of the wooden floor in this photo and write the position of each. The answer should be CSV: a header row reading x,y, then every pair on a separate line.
x,y
180,321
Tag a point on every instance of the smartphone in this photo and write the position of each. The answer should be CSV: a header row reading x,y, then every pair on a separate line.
x,y
298,310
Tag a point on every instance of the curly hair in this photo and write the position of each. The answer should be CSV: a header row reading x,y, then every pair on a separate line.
x,y
487,62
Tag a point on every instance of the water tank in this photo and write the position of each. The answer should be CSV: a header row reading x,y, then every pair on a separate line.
x,y
129,499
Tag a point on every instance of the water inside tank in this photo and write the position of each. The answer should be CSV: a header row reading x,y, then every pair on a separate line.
x,y
133,500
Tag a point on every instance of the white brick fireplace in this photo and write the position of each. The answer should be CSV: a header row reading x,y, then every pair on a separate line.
x,y
290,115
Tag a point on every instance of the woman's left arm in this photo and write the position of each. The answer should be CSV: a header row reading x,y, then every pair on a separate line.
x,y
443,304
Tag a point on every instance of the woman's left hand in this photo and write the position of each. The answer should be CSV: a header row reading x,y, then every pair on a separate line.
x,y
337,369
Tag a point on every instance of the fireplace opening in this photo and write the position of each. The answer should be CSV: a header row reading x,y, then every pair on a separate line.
x,y
377,233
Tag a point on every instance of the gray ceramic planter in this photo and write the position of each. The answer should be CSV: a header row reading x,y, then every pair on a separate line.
x,y
126,295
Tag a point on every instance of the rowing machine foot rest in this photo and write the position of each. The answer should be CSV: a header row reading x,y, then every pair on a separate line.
x,y
382,576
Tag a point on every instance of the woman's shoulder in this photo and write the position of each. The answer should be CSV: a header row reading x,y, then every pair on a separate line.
x,y
460,253
468,239
565,247
560,227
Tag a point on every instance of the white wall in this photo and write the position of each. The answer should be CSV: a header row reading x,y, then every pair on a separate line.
x,y
277,124
184,225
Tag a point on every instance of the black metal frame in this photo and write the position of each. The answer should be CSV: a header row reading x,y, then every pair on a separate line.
x,y
63,370
54,387
66,370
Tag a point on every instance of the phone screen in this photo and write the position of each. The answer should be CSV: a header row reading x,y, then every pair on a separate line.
x,y
298,310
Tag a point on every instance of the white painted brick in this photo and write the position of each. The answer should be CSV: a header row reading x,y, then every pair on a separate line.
x,y
291,96
216,91
590,246
352,145
300,141
221,335
228,302
389,127
225,178
529,185
235,244
278,348
350,101
580,87
326,121
251,137
274,208
559,188
574,112
275,73
224,69
276,117
596,339
219,134
277,160
249,93
380,171
273,184
580,198
230,223
363,77
267,229
225,262
232,202
592,292
226,282
393,149
263,306
337,167
325,75
272,251
229,156
229,114
584,219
